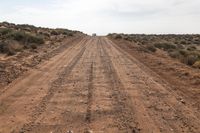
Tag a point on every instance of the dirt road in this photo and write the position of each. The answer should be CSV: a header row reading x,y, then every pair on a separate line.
x,y
94,86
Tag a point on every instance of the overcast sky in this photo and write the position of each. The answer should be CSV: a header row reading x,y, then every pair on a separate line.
x,y
106,16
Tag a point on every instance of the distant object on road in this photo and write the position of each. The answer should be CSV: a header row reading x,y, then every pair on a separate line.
x,y
94,34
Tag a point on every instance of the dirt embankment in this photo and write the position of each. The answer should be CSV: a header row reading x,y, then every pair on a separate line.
x,y
14,66
24,46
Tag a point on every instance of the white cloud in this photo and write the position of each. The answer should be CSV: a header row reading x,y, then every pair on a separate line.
x,y
104,16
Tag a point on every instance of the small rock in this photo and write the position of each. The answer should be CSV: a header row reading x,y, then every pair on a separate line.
x,y
186,74
136,130
182,101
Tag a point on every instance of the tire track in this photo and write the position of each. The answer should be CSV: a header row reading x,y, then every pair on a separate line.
x,y
57,83
123,107
67,108
102,107
90,95
82,92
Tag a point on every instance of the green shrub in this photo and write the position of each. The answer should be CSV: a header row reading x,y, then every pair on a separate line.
x,y
183,52
18,36
118,36
17,41
54,32
70,34
183,42
25,38
196,41
197,64
175,54
176,42
6,49
65,32
128,38
180,46
191,48
35,39
2,47
46,34
11,52
186,57
151,48
191,59
5,31
33,46
165,46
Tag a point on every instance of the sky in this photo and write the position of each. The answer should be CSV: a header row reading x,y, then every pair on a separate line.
x,y
107,16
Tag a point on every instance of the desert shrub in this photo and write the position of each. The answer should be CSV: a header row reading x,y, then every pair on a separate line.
x,y
183,52
40,32
17,41
197,64
176,42
118,36
33,46
175,54
110,34
35,39
66,32
6,23
128,38
183,42
25,38
18,36
46,34
6,48
2,47
196,41
5,31
180,46
191,59
11,52
191,48
165,46
70,34
143,49
151,48
170,50
62,32
185,56
54,32
188,57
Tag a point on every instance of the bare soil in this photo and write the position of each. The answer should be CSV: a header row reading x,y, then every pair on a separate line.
x,y
97,85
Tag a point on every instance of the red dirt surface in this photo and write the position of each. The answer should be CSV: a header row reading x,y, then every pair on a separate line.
x,y
96,85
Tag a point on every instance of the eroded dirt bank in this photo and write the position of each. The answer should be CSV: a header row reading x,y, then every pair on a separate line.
x,y
94,85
